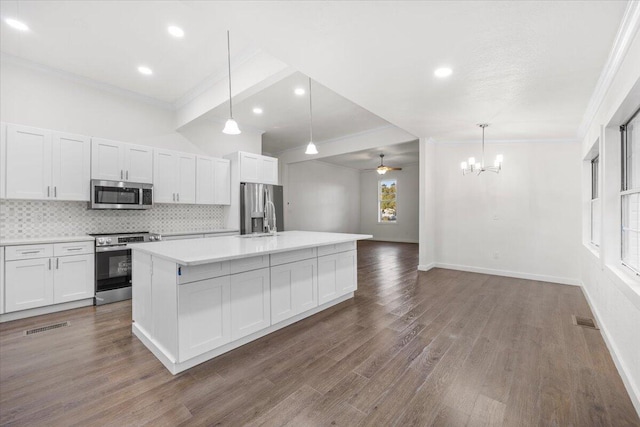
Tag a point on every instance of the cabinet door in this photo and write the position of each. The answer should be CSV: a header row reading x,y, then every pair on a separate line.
x,y
1,280
204,180
71,167
3,161
28,163
250,306
222,181
107,160
164,177
294,289
268,170
337,275
204,316
186,178
28,284
73,278
249,167
138,163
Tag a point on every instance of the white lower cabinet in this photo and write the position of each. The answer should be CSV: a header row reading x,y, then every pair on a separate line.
x,y
29,284
33,278
73,278
294,289
337,275
1,280
250,302
204,313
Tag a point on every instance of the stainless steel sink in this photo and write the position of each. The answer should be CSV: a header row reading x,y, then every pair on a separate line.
x,y
248,236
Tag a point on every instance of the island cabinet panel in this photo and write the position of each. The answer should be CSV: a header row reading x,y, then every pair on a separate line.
x,y
250,302
294,289
141,273
204,313
337,275
164,303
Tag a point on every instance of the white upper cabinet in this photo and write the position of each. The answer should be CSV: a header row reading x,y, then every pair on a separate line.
x,y
46,165
71,166
257,168
3,163
222,182
174,178
118,161
205,180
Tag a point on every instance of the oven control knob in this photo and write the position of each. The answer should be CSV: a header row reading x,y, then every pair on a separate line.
x,y
108,239
100,240
152,238
158,237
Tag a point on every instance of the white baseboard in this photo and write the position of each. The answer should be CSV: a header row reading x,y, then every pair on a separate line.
x,y
23,314
633,389
394,240
426,267
506,273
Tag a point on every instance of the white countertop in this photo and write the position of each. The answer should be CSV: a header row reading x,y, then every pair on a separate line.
x,y
204,251
41,240
210,231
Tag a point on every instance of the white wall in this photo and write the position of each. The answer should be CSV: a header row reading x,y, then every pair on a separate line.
x,y
523,222
613,291
322,197
406,227
34,96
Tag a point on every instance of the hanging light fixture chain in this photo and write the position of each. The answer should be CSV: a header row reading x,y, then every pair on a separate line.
x,y
229,63
310,113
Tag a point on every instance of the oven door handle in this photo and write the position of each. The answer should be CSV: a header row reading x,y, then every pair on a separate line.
x,y
112,248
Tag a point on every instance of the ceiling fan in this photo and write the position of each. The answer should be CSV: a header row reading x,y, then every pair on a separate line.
x,y
382,169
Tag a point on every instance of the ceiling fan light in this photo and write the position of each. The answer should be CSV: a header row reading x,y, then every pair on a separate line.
x,y
311,148
231,128
381,171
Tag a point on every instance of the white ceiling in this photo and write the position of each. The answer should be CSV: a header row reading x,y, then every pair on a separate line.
x,y
528,68
285,117
397,155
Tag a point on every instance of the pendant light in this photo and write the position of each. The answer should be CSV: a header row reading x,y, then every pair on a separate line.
x,y
478,167
231,126
311,147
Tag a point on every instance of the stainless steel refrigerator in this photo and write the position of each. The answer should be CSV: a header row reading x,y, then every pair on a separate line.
x,y
261,208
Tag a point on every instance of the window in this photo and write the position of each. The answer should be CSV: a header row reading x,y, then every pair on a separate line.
x,y
387,191
595,201
630,194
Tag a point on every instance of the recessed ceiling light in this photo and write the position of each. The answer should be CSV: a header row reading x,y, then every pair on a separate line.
x,y
257,110
299,91
145,70
443,72
175,31
18,25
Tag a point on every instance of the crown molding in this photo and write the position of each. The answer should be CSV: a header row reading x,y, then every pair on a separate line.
x,y
626,32
16,60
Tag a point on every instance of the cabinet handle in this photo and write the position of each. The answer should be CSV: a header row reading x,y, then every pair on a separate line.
x,y
178,196
57,263
74,249
49,263
55,191
174,196
127,175
30,252
48,191
121,174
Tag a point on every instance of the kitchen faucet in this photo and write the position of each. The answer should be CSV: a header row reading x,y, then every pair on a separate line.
x,y
270,223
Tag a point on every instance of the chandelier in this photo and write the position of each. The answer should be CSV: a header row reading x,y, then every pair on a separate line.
x,y
472,166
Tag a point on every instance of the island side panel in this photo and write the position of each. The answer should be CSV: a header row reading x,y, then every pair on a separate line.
x,y
141,291
164,297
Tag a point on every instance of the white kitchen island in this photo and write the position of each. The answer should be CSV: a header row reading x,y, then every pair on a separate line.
x,y
196,299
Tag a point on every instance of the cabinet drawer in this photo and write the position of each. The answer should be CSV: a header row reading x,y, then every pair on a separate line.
x,y
334,249
73,248
194,273
293,256
248,264
13,253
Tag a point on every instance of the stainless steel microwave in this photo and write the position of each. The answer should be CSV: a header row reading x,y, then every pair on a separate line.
x,y
120,195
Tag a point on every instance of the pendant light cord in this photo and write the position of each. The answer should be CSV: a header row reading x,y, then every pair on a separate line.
x,y
310,114
483,146
229,62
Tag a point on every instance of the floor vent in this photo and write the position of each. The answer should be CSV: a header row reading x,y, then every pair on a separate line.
x,y
585,322
47,328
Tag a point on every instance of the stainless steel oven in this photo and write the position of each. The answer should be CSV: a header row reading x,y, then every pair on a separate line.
x,y
120,195
113,265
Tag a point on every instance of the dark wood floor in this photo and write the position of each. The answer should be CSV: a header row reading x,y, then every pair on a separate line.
x,y
439,348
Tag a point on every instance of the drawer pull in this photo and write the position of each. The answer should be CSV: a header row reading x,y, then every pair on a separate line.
x,y
74,249
30,252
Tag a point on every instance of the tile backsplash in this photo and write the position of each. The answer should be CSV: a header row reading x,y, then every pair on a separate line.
x,y
36,218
